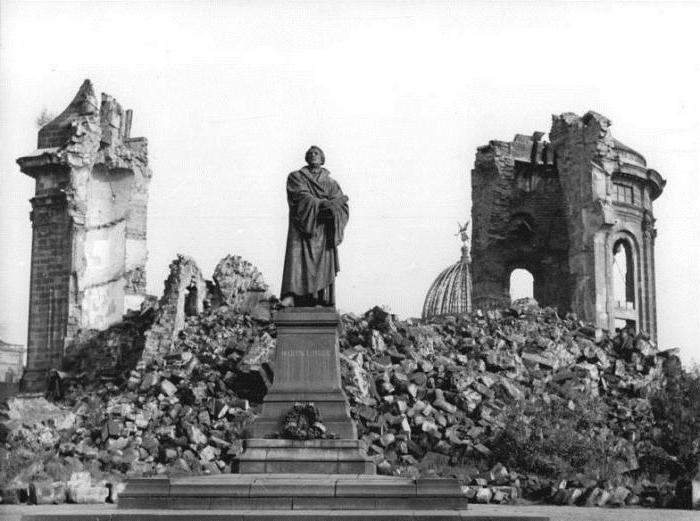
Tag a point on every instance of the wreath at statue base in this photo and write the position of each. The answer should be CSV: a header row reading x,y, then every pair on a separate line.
x,y
303,422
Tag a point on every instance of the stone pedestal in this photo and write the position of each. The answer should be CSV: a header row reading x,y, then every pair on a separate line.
x,y
307,369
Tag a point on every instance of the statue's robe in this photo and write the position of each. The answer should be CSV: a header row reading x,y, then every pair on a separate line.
x,y
311,257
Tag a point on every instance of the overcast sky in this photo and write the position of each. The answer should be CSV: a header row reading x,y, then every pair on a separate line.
x,y
398,94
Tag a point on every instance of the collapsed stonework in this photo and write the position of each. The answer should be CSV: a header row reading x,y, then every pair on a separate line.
x,y
154,331
240,285
441,396
577,214
89,227
185,290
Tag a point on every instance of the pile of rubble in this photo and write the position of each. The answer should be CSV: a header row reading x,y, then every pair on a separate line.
x,y
430,397
436,396
179,414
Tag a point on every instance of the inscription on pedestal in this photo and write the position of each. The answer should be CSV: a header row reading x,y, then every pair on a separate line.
x,y
306,365
306,369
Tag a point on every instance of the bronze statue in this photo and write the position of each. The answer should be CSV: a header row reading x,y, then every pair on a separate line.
x,y
318,213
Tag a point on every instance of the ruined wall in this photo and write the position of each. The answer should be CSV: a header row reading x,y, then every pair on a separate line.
x,y
183,296
238,285
610,190
561,210
518,222
88,224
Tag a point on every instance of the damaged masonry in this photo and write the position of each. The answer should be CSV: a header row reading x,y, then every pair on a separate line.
x,y
577,214
88,225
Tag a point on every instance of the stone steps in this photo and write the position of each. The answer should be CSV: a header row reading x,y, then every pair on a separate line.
x,y
293,492
276,515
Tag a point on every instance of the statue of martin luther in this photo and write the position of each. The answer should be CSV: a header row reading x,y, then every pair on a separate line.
x,y
318,213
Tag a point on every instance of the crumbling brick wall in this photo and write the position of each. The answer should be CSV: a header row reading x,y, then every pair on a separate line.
x,y
89,226
562,210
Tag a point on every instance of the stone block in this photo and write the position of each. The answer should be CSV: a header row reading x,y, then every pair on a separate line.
x,y
195,489
148,487
437,487
181,502
143,502
366,467
483,495
302,454
47,492
301,467
87,494
297,486
387,488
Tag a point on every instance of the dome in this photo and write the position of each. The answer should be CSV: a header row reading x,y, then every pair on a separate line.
x,y
451,293
628,154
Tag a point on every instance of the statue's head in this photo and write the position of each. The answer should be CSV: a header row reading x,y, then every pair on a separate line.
x,y
315,156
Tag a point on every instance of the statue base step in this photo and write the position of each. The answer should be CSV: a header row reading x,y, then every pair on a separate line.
x,y
293,492
305,457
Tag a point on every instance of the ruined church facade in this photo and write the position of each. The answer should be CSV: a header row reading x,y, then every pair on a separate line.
x,y
88,218
576,212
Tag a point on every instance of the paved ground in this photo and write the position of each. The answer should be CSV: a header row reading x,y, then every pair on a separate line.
x,y
14,513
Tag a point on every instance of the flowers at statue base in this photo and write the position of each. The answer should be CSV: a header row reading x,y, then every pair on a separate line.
x,y
303,422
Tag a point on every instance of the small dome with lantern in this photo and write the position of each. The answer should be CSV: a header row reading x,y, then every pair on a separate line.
x,y
451,292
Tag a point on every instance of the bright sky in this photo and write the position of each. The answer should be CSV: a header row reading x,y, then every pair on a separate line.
x,y
398,94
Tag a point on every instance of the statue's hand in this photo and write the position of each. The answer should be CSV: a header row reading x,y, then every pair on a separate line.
x,y
326,209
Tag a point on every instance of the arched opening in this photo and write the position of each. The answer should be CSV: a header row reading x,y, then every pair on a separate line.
x,y
521,284
623,275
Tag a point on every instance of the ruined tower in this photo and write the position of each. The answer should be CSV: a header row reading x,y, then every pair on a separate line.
x,y
88,227
576,212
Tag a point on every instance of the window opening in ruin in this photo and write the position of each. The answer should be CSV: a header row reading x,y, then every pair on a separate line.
x,y
623,275
521,284
191,301
624,194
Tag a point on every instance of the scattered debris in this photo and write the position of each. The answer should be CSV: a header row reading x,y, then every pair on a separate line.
x,y
430,397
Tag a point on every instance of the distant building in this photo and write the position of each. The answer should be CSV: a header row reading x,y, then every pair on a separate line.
x,y
451,292
88,227
11,362
577,214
